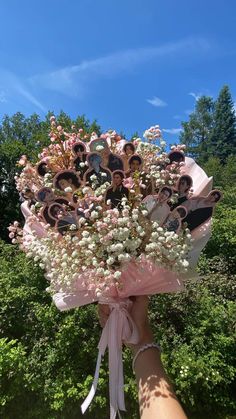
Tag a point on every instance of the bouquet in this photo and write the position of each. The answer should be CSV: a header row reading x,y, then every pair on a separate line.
x,y
108,219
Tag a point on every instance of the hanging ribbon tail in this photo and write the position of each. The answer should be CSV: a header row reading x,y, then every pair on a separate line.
x,y
119,328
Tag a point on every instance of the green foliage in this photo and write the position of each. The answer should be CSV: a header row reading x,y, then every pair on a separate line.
x,y
223,137
59,349
196,132
12,358
211,129
223,240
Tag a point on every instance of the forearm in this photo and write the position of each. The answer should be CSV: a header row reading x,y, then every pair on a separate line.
x,y
156,395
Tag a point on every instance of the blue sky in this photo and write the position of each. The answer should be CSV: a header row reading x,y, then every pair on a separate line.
x,y
128,63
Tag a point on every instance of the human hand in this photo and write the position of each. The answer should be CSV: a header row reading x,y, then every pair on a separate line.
x,y
139,313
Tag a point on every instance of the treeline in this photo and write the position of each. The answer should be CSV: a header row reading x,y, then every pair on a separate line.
x,y
211,129
47,358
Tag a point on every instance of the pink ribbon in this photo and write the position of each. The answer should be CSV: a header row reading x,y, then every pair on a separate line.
x,y
119,328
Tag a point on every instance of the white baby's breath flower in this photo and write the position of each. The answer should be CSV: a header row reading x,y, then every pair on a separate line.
x,y
117,274
99,148
85,190
68,189
73,227
94,215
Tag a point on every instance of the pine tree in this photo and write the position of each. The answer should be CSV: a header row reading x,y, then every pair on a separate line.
x,y
223,137
197,131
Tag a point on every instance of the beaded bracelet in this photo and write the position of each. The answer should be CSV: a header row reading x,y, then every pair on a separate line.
x,y
144,348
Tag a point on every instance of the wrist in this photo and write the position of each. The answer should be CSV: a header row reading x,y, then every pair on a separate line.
x,y
146,337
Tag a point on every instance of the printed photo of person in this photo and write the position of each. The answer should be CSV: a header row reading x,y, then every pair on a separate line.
x,y
183,186
42,168
200,209
160,209
67,179
80,161
65,203
67,223
48,219
55,210
45,195
117,191
109,160
176,156
28,195
174,219
135,163
96,174
128,151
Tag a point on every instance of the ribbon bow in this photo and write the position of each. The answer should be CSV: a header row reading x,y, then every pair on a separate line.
x,y
119,328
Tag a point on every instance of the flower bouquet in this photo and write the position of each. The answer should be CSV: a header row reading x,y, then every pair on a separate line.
x,y
108,219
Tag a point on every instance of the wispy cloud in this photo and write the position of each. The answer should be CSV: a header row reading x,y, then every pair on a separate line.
x,y
156,101
71,80
172,131
196,96
17,88
27,95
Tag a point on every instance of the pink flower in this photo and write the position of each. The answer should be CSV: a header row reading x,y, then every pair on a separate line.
x,y
59,128
23,160
128,182
53,137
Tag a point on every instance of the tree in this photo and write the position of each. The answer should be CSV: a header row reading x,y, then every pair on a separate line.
x,y
223,136
196,132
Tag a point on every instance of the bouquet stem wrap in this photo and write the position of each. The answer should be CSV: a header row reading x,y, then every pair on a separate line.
x,y
119,328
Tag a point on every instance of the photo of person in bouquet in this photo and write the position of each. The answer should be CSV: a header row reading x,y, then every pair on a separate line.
x,y
174,219
67,179
158,204
80,161
42,168
45,195
200,209
55,210
117,191
67,223
176,156
28,195
109,160
128,151
183,187
135,163
96,173
48,219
